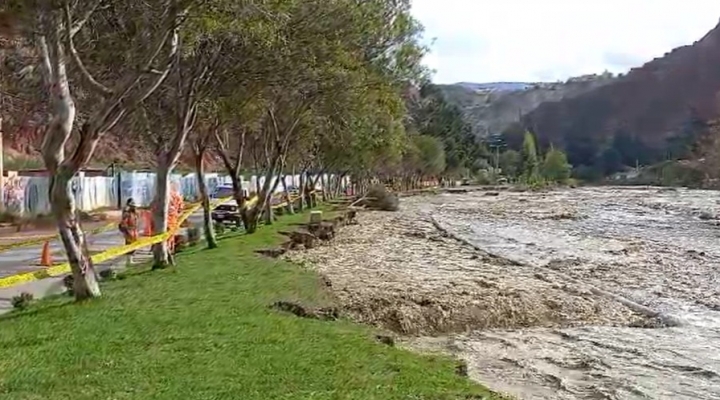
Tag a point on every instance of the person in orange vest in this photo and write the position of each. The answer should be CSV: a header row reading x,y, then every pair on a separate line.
x,y
175,209
128,225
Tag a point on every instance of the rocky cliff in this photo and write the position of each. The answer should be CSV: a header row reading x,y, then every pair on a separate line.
x,y
492,107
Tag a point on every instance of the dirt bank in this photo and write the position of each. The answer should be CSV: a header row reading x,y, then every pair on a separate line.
x,y
523,312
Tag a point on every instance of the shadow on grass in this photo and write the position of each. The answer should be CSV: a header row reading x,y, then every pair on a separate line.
x,y
46,305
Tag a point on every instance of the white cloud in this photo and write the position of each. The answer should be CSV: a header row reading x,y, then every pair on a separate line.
x,y
531,40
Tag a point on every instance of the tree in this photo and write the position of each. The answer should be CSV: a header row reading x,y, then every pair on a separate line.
x,y
685,142
431,114
334,66
510,163
131,48
611,161
173,110
496,143
431,155
530,158
555,167
202,140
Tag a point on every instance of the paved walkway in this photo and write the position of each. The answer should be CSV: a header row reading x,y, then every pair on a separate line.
x,y
27,260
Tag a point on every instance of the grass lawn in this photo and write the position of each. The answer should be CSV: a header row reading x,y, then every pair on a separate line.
x,y
204,331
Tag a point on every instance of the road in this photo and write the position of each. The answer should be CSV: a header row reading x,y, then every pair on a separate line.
x,y
27,259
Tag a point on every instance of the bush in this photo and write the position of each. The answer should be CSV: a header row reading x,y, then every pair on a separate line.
x,y
108,274
8,217
193,236
69,283
22,301
379,198
219,228
181,243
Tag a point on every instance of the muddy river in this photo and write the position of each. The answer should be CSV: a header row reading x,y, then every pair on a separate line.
x,y
591,293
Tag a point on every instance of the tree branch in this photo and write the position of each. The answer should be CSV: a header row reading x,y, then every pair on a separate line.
x,y
76,57
240,151
81,23
49,76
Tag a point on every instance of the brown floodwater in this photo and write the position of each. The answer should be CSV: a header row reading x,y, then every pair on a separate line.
x,y
519,297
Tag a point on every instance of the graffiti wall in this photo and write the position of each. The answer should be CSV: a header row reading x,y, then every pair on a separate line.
x,y
14,194
29,195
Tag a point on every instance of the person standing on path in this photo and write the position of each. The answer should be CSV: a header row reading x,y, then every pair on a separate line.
x,y
175,209
129,225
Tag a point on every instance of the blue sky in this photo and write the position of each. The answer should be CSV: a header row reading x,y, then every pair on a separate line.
x,y
548,40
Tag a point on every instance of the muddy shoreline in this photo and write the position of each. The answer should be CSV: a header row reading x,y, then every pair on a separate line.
x,y
513,284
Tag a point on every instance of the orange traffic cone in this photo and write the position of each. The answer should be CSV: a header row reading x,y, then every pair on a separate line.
x,y
46,257
148,224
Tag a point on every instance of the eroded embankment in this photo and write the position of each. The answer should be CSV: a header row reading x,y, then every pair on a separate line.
x,y
529,319
400,272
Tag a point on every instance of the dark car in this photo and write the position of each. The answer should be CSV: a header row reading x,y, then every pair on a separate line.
x,y
227,213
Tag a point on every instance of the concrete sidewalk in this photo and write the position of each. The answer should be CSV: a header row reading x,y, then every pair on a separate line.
x,y
27,259
54,285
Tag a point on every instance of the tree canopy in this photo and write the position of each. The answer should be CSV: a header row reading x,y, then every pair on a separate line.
x,y
430,114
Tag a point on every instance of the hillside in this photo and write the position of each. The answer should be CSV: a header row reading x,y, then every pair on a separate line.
x,y
652,113
492,107
496,86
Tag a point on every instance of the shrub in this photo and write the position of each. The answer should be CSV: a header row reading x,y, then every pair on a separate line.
x,y
379,198
219,228
108,274
193,236
8,217
22,301
69,283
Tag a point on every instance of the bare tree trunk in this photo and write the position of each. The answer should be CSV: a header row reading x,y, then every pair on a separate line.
x,y
267,191
208,228
62,119
161,256
267,208
251,214
240,199
301,191
324,185
286,192
85,281
309,188
339,185
268,214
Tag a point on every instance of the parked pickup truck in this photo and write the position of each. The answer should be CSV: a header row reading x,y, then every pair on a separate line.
x,y
227,213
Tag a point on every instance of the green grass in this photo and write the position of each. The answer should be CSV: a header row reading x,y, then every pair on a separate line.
x,y
204,331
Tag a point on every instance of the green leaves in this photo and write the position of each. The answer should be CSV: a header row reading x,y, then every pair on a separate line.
x,y
327,75
555,167
430,155
530,158
430,114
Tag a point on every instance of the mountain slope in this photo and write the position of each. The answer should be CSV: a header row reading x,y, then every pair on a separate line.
x,y
496,86
648,108
492,107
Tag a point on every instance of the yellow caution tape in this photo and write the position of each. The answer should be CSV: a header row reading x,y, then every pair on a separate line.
x,y
41,239
118,251
44,238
